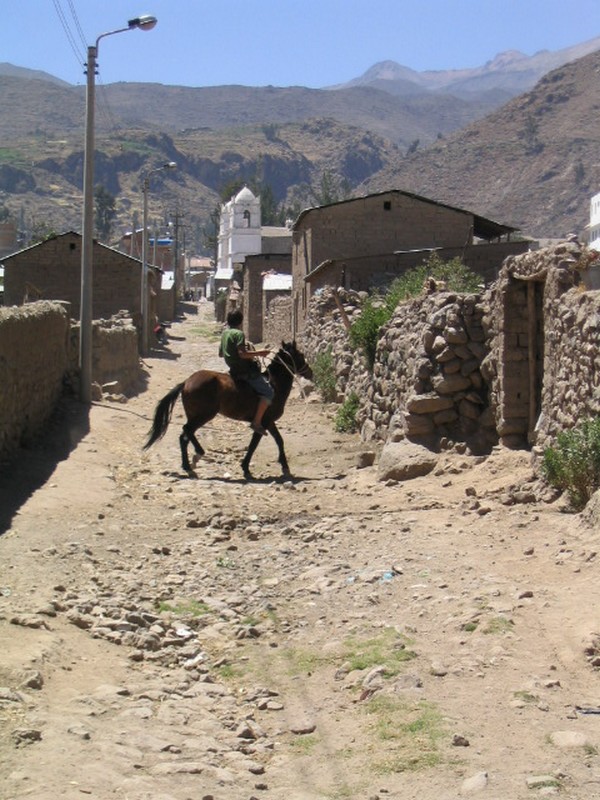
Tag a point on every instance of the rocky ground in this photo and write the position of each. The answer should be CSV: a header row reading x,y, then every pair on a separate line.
x,y
329,636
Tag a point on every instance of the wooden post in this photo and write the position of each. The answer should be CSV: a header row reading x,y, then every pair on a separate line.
x,y
342,311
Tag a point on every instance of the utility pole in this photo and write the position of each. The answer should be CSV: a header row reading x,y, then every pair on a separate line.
x,y
177,216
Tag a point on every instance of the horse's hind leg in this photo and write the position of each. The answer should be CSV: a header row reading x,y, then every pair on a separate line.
x,y
188,436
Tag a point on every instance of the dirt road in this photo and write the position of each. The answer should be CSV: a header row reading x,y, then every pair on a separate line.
x,y
325,637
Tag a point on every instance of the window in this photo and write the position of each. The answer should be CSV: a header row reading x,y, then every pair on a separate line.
x,y
387,205
246,219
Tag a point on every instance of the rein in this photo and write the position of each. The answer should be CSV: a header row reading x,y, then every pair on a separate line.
x,y
294,375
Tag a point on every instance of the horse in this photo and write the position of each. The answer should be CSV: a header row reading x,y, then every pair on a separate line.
x,y
207,393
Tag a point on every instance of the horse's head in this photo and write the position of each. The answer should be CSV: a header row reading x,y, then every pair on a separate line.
x,y
294,360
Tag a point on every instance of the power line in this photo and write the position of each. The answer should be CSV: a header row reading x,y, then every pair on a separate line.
x,y
70,38
77,25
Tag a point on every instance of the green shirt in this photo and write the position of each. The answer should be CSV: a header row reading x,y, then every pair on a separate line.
x,y
231,340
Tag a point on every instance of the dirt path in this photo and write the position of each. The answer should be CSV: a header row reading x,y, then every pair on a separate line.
x,y
324,637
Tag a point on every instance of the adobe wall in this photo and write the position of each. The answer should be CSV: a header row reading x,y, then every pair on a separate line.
x,y
383,223
34,357
115,356
370,272
51,270
277,323
253,300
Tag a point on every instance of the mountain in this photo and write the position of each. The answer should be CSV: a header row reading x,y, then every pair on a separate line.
x,y
533,163
29,74
530,162
510,73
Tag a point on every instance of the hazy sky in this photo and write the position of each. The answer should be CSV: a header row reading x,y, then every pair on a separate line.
x,y
311,43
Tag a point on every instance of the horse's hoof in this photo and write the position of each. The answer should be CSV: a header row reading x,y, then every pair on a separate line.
x,y
195,459
191,474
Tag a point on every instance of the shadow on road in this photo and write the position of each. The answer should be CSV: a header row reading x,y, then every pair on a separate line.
x,y
32,466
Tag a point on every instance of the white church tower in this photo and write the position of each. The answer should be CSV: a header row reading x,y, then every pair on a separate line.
x,y
239,232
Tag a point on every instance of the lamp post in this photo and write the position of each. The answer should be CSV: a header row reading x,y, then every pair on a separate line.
x,y
144,286
144,23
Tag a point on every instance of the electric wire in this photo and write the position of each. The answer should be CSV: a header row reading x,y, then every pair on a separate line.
x,y
70,38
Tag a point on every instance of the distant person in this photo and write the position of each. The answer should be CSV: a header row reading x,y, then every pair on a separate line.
x,y
243,365
160,333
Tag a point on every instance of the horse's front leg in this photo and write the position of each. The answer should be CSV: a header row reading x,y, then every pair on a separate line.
x,y
274,431
254,442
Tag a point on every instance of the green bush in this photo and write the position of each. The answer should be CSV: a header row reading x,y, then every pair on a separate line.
x,y
324,375
573,464
378,308
345,419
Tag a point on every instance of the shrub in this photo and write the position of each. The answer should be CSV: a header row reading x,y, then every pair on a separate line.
x,y
573,464
324,376
378,309
345,419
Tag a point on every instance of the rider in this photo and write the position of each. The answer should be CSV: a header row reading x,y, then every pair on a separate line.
x,y
244,367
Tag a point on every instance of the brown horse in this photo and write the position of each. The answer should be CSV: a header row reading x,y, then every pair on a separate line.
x,y
207,393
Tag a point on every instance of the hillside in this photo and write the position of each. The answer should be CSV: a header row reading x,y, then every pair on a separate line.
x,y
533,163
530,163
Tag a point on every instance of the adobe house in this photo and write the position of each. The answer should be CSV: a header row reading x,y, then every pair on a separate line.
x,y
51,270
367,241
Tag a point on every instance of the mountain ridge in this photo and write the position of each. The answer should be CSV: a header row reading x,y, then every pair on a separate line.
x,y
527,162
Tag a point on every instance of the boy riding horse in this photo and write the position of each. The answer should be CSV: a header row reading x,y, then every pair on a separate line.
x,y
243,365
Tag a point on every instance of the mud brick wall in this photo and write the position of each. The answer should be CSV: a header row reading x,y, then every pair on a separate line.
x,y
53,268
277,322
114,353
34,357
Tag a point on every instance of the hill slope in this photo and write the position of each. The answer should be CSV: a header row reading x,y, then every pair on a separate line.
x,y
532,163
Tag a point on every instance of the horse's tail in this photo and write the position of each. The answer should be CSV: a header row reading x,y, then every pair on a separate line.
x,y
162,416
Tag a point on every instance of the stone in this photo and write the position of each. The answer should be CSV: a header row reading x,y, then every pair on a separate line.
x,y
402,461
451,384
569,739
365,459
428,403
475,783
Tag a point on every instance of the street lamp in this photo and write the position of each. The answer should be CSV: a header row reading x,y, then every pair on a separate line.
x,y
144,287
144,23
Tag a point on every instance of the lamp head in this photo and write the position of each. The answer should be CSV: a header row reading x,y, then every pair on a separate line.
x,y
145,23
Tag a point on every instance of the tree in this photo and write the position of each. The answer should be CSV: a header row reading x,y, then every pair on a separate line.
x,y
105,213
41,232
331,190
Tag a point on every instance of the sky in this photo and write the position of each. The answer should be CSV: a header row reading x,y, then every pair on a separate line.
x,y
311,43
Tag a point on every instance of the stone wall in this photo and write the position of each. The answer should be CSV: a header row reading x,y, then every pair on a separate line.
x,y
34,358
544,362
517,363
427,382
277,322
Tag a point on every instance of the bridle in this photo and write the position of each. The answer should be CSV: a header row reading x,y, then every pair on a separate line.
x,y
295,371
